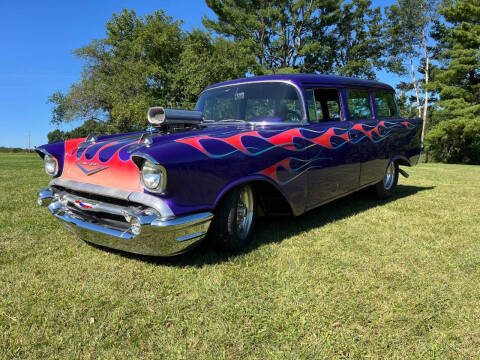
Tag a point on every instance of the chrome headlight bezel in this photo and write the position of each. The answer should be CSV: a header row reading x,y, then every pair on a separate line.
x,y
50,164
153,177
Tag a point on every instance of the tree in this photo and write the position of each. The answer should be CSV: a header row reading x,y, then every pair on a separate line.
x,y
408,25
359,48
90,126
458,80
205,61
456,138
143,62
125,72
276,31
304,35
55,136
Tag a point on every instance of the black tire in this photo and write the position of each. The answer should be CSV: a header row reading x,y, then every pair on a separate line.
x,y
386,187
226,231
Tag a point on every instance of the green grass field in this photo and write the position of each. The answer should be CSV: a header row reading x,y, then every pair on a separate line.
x,y
356,278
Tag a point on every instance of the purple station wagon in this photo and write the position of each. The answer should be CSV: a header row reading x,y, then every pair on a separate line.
x,y
252,147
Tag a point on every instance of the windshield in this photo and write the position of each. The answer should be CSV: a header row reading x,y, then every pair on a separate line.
x,y
255,102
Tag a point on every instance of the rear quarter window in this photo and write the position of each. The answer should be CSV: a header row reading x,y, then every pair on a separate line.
x,y
385,105
359,104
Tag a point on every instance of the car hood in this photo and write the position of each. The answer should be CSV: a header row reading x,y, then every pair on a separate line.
x,y
107,161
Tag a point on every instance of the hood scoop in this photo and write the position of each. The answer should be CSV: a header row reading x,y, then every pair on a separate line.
x,y
159,116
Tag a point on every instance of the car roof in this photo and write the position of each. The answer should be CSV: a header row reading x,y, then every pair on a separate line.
x,y
310,79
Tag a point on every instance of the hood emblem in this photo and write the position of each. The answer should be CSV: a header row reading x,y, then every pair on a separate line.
x,y
91,171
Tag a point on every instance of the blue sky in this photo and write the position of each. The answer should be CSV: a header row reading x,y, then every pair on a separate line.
x,y
36,59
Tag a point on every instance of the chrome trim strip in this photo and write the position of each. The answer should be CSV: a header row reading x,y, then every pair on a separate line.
x,y
89,226
142,155
179,222
153,202
97,206
91,188
188,237
134,196
289,82
91,172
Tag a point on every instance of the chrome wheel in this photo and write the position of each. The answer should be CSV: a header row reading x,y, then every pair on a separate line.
x,y
244,211
389,176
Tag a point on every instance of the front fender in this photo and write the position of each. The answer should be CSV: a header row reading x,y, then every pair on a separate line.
x,y
258,178
55,149
196,181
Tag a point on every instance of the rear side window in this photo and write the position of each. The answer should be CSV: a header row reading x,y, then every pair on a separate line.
x,y
385,105
359,104
323,104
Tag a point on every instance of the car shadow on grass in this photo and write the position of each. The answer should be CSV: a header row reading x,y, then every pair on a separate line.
x,y
284,228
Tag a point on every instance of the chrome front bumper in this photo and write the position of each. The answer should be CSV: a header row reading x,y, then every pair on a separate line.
x,y
140,230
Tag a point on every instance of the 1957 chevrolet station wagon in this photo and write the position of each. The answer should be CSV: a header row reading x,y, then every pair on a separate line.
x,y
253,146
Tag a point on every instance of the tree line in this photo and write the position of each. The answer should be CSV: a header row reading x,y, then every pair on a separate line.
x,y
150,60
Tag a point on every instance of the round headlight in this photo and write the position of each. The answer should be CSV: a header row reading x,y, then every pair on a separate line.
x,y
51,166
153,176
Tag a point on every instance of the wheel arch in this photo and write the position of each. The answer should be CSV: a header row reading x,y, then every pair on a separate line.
x,y
401,160
263,188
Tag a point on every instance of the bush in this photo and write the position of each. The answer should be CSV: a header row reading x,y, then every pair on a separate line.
x,y
455,141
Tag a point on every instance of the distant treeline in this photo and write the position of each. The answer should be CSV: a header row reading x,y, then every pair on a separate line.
x,y
4,149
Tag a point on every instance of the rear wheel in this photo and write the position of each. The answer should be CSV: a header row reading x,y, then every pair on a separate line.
x,y
234,219
386,187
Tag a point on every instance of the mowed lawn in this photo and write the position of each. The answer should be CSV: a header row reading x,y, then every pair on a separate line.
x,y
357,278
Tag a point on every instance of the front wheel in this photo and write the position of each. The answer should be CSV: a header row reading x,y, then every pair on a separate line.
x,y
234,220
386,187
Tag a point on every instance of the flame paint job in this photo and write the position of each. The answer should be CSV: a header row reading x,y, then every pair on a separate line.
x,y
330,138
203,164
104,163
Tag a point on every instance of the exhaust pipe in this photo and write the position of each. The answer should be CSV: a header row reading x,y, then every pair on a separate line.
x,y
403,172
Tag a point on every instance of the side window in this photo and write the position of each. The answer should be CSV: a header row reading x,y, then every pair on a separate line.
x,y
385,105
359,104
323,105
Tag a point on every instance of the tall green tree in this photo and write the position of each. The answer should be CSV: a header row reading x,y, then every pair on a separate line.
x,y
359,48
408,26
125,72
458,80
327,36
206,60
278,32
142,62
456,138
